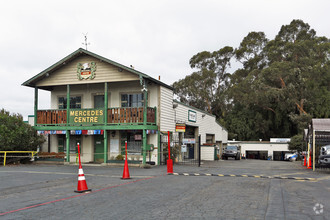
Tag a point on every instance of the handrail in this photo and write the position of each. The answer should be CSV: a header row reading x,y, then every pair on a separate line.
x,y
115,115
5,154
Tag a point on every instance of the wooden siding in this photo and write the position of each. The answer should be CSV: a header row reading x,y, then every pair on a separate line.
x,y
206,124
104,73
166,110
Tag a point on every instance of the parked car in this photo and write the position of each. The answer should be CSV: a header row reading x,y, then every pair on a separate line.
x,y
232,151
290,157
324,158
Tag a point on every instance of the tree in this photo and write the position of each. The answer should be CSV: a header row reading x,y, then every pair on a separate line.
x,y
205,88
297,143
17,135
283,83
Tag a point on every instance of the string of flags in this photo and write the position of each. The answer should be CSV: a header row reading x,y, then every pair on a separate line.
x,y
85,132
73,132
151,131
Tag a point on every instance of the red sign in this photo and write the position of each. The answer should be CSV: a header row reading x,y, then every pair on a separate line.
x,y
180,128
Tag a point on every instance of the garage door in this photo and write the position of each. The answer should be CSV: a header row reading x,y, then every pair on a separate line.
x,y
279,155
259,155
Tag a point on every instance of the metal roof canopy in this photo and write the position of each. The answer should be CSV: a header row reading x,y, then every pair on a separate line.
x,y
321,126
317,135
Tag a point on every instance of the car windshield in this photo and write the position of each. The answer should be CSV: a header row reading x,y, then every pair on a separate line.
x,y
231,147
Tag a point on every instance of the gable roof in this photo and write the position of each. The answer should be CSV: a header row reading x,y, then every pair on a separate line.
x,y
32,81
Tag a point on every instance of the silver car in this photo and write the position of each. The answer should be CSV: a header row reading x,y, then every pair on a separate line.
x,y
324,158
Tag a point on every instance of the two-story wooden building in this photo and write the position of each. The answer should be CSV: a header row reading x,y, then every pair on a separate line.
x,y
101,104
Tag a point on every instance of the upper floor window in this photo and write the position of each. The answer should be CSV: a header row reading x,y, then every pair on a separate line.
x,y
75,102
132,100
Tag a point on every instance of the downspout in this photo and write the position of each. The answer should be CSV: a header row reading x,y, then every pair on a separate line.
x,y
144,139
67,123
35,105
105,122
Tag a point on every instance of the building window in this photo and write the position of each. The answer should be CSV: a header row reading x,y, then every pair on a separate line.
x,y
132,100
74,140
210,138
75,102
134,142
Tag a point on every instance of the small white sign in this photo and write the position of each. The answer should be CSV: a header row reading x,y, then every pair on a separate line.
x,y
183,148
192,116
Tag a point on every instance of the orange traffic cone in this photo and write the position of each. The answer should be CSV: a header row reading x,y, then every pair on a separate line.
x,y
309,164
82,185
126,171
305,164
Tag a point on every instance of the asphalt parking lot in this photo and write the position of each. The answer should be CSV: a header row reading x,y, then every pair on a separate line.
x,y
246,189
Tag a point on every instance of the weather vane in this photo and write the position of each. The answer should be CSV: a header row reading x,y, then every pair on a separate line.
x,y
85,35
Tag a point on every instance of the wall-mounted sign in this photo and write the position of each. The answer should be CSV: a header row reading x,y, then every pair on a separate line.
x,y
188,141
183,148
192,116
180,127
86,70
138,137
86,117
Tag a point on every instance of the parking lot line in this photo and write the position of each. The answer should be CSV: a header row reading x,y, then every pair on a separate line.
x,y
253,176
75,196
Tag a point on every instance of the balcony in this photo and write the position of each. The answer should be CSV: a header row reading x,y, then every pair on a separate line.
x,y
88,117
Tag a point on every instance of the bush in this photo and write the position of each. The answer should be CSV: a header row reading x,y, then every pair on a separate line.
x,y
120,157
15,134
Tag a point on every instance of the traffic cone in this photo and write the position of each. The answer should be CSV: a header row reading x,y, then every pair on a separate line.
x,y
309,165
82,184
305,164
126,171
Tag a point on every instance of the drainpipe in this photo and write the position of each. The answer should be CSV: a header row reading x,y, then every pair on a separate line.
x,y
67,123
35,105
105,122
144,139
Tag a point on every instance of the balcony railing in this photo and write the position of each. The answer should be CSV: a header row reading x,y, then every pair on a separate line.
x,y
95,116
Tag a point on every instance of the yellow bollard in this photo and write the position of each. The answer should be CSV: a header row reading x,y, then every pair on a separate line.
x,y
4,159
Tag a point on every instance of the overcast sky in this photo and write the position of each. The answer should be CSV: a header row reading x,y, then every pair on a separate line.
x,y
157,37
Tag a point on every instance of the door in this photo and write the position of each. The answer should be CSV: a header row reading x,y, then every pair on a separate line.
x,y
98,148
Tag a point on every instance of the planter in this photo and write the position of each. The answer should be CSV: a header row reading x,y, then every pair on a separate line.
x,y
123,161
50,159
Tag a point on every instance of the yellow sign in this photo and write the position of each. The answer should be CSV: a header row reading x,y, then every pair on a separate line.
x,y
93,116
180,128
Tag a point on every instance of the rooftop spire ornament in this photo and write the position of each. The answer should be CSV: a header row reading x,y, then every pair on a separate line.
x,y
85,35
